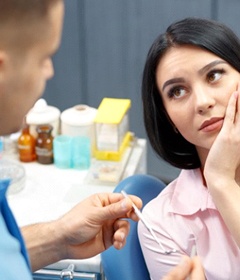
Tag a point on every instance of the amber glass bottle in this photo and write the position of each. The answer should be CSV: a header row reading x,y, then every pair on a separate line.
x,y
44,144
26,145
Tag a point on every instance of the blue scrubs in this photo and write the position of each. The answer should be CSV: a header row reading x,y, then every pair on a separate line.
x,y
14,262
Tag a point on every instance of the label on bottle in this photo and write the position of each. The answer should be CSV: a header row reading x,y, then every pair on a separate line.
x,y
44,152
24,147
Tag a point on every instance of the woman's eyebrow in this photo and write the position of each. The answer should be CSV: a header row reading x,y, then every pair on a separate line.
x,y
201,72
210,65
172,81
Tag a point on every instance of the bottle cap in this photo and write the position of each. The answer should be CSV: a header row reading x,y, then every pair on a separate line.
x,y
42,113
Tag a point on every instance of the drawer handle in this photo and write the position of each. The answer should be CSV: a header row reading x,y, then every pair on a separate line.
x,y
67,272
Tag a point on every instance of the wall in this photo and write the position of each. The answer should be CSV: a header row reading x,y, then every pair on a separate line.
x,y
104,46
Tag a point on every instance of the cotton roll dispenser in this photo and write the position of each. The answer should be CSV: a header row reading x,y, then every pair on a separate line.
x,y
112,129
79,121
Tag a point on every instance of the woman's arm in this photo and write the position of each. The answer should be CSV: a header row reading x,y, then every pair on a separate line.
x,y
222,172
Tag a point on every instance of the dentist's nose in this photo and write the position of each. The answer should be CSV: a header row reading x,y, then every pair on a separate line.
x,y
204,100
49,69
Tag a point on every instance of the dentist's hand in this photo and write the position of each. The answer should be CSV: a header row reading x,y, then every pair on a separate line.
x,y
88,229
97,223
188,267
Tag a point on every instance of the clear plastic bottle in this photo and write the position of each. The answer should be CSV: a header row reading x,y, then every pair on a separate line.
x,y
26,145
44,144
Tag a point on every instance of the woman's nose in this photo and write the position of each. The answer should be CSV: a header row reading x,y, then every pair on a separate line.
x,y
204,100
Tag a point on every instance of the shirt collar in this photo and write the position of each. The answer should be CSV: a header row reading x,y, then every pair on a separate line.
x,y
4,183
189,194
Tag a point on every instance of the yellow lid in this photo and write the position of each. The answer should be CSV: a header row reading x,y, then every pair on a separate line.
x,y
112,110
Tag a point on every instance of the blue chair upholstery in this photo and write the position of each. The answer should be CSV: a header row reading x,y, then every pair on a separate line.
x,y
128,263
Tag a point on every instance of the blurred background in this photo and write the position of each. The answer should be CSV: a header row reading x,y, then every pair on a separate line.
x,y
104,47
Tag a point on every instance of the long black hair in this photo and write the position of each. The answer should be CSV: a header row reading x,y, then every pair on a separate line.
x,y
206,34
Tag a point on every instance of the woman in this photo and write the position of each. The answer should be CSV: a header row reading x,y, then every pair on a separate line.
x,y
190,94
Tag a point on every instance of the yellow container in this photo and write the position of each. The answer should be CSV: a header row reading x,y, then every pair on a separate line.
x,y
112,128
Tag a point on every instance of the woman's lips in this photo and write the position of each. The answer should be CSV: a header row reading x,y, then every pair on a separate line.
x,y
212,125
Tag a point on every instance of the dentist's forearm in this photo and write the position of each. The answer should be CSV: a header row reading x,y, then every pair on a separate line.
x,y
43,244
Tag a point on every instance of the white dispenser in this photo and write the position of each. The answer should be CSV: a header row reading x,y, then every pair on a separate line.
x,y
42,113
79,121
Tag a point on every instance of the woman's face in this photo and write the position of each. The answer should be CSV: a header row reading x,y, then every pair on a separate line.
x,y
195,86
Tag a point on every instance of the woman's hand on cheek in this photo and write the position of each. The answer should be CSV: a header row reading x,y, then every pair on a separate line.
x,y
224,156
222,172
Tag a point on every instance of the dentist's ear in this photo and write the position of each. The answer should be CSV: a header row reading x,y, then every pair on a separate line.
x,y
3,63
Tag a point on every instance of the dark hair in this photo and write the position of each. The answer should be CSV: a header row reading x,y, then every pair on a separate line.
x,y
206,34
24,22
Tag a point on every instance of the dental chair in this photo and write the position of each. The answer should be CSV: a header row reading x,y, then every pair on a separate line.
x,y
128,263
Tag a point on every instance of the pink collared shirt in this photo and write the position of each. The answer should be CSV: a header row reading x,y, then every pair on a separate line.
x,y
184,215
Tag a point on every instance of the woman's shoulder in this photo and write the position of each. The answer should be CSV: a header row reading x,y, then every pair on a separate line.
x,y
182,186
174,198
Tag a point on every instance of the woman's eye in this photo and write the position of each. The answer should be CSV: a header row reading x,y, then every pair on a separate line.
x,y
176,92
215,75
